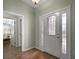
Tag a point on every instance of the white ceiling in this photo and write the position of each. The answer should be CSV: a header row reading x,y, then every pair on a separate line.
x,y
29,2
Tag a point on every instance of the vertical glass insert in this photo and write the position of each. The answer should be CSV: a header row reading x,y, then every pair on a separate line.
x,y
52,25
64,33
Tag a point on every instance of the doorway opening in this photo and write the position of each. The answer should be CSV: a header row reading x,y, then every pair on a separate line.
x,y
12,34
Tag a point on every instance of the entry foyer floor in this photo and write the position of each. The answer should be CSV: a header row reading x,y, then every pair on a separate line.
x,y
10,52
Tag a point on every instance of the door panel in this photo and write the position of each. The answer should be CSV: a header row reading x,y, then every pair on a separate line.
x,y
52,36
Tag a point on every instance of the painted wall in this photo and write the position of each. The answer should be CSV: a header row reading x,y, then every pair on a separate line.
x,y
73,30
28,26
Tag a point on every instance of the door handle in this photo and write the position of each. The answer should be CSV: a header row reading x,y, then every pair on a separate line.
x,y
58,36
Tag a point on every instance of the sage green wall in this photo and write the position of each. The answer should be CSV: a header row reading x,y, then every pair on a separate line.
x,y
28,26
73,30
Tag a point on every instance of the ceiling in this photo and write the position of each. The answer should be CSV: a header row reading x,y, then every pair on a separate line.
x,y
29,2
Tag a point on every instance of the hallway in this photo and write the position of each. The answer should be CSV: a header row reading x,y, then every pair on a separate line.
x,y
15,53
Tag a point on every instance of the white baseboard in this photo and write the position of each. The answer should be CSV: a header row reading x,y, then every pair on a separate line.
x,y
27,49
40,48
32,48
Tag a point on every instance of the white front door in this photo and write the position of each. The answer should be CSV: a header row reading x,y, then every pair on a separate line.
x,y
52,35
55,33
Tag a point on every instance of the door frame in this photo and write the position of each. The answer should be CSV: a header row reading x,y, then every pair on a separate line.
x,y
68,28
22,17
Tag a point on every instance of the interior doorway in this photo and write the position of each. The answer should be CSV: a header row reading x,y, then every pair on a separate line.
x,y
54,33
12,35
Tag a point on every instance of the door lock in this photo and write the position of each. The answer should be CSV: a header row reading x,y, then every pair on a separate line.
x,y
58,36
